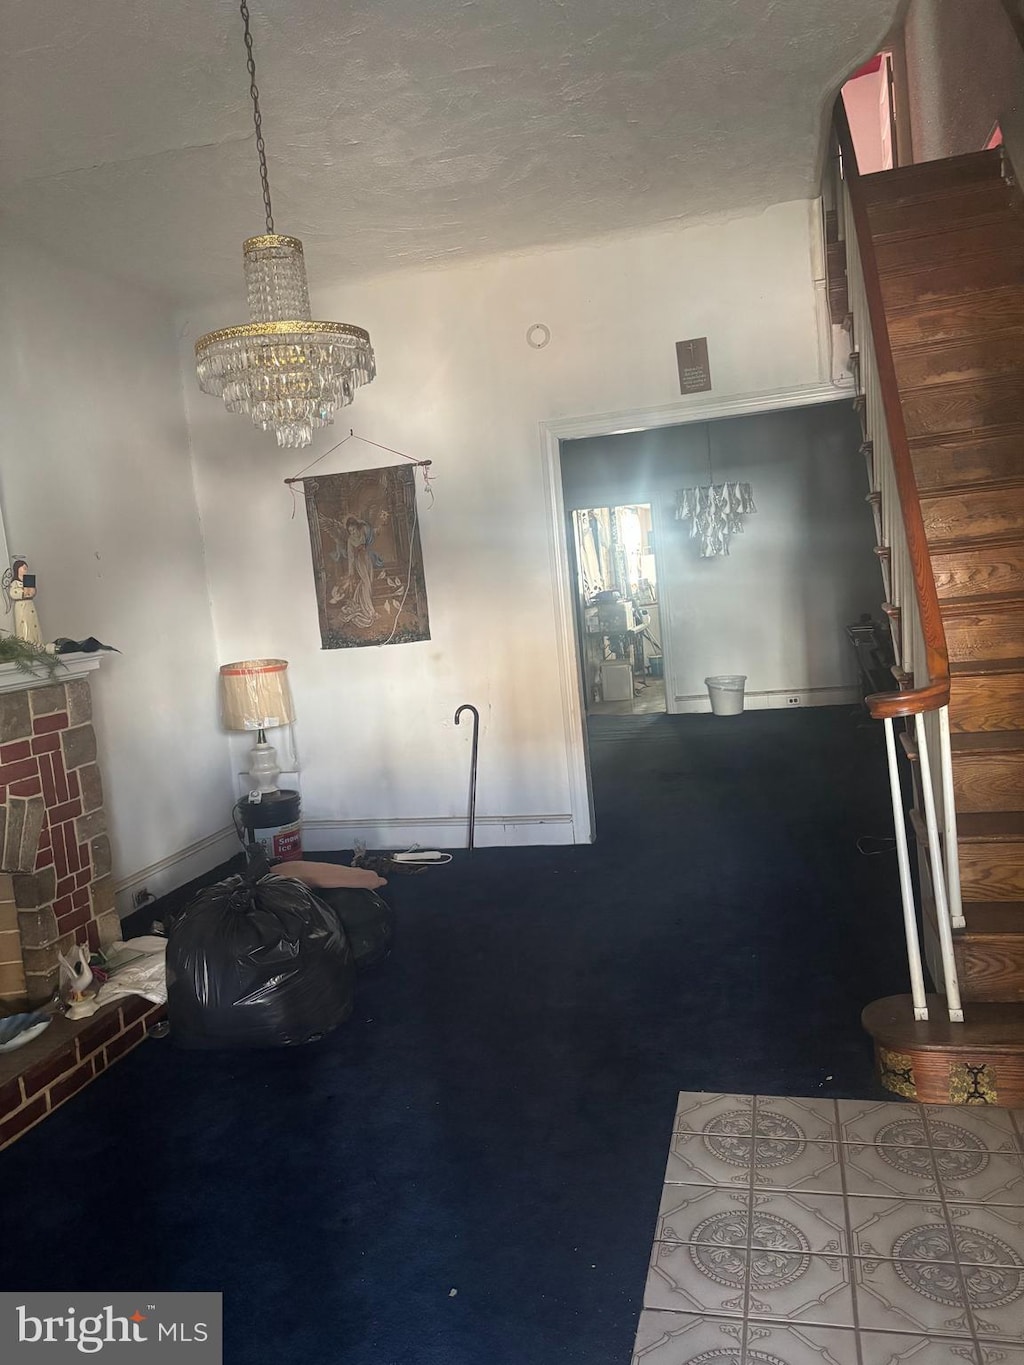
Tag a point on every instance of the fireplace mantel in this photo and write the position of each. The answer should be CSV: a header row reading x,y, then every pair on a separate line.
x,y
15,679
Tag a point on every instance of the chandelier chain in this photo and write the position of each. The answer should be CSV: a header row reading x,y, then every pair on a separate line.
x,y
257,117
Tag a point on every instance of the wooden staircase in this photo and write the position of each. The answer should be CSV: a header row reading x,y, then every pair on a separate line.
x,y
948,238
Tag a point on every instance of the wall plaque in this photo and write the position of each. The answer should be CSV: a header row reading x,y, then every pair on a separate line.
x,y
694,369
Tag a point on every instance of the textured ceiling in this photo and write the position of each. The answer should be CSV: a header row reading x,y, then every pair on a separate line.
x,y
404,131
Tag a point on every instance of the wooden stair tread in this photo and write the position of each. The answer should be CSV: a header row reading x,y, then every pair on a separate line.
x,y
970,512
965,544
997,381
966,606
968,458
1001,294
988,742
977,486
936,264
928,346
968,167
948,280
907,217
947,319
964,405
1009,435
1002,918
989,827
908,196
984,667
972,742
896,194
993,191
983,356
989,1027
945,243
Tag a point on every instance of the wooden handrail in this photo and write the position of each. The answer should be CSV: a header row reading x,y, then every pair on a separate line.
x,y
935,694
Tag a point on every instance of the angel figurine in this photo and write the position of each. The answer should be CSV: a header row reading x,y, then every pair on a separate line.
x,y
75,979
19,588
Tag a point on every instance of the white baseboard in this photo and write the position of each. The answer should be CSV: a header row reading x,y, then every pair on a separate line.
x,y
775,700
177,868
443,832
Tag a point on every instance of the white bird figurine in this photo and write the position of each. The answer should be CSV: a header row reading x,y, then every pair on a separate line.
x,y
75,979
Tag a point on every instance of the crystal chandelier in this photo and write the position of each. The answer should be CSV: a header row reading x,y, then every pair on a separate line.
x,y
288,373
715,511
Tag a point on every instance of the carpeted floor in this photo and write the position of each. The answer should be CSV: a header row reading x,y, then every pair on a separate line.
x,y
494,1119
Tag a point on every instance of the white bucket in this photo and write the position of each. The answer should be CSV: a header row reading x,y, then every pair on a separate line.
x,y
726,693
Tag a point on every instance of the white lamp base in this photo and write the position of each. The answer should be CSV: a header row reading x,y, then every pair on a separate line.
x,y
263,769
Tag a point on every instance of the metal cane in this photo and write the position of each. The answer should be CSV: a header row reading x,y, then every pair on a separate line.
x,y
472,770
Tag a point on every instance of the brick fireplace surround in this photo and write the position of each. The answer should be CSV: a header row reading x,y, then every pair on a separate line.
x,y
56,888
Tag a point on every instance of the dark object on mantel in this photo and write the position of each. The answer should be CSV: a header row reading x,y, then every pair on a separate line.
x,y
90,645
257,961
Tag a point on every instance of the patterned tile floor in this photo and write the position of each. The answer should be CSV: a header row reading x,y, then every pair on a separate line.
x,y
825,1232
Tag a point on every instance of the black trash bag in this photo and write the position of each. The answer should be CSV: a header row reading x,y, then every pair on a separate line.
x,y
368,922
257,961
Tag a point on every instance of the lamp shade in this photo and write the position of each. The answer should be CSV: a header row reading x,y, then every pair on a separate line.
x,y
255,695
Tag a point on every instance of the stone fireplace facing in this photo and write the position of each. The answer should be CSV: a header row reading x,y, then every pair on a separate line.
x,y
56,889
56,883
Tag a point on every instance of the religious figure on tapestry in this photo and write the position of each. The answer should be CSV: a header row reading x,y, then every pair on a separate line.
x,y
367,561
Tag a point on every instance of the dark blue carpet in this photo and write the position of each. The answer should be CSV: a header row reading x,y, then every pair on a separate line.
x,y
495,1118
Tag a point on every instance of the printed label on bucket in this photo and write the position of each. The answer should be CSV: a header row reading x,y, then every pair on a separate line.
x,y
286,843
278,842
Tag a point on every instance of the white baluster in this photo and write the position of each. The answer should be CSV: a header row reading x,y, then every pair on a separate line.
x,y
952,848
906,886
938,871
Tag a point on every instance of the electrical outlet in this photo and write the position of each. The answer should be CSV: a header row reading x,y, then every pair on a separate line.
x,y
141,897
792,701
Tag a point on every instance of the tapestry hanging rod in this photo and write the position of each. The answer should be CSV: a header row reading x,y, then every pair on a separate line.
x,y
417,464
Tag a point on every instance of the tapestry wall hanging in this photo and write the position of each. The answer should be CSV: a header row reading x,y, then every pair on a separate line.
x,y
367,561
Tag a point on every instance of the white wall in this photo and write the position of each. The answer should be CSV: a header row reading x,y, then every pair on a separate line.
x,y
97,493
776,608
459,385
965,72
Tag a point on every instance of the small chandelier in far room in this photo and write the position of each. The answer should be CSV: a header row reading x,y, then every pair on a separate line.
x,y
715,511
286,372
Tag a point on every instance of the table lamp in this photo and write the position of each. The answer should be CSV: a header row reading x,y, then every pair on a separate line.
x,y
255,696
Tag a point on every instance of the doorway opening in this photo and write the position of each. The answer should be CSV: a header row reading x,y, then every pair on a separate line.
x,y
618,615
874,105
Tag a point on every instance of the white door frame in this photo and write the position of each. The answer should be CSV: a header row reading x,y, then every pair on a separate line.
x,y
701,409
